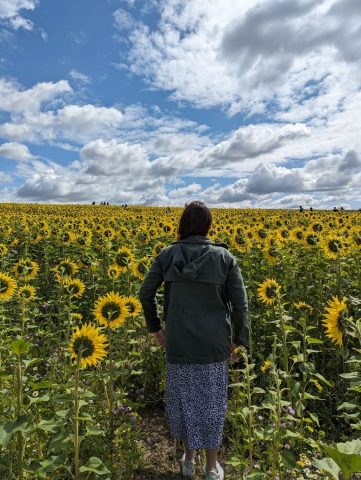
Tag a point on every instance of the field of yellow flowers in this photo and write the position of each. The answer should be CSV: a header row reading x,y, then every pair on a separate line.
x,y
77,367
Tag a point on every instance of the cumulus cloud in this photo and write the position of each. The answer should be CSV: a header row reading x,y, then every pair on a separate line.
x,y
269,179
252,141
123,20
15,100
113,158
15,151
78,76
256,59
10,8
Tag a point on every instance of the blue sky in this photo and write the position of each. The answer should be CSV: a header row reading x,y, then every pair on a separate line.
x,y
160,102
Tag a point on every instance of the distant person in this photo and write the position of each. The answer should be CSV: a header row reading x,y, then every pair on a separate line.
x,y
204,295
301,208
93,203
311,209
168,210
335,209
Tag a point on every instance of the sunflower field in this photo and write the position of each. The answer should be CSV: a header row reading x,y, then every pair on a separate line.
x,y
78,368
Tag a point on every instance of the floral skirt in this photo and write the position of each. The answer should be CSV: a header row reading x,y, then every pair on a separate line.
x,y
196,402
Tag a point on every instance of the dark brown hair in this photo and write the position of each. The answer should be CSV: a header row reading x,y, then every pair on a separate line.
x,y
196,219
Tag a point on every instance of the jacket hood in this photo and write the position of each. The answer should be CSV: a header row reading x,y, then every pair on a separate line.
x,y
187,268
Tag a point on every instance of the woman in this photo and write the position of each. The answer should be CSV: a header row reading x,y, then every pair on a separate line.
x,y
205,315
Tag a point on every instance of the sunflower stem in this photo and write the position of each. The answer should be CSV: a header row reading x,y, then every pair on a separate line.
x,y
76,419
19,400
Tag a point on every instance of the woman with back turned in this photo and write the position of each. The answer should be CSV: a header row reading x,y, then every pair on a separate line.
x,y
205,318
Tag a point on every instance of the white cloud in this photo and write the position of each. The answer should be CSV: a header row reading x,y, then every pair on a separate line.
x,y
81,77
15,151
15,100
4,178
11,8
21,22
123,20
243,56
9,11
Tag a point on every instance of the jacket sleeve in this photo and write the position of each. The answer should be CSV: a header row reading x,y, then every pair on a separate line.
x,y
148,289
237,296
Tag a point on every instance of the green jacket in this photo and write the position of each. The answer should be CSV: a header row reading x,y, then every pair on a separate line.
x,y
205,303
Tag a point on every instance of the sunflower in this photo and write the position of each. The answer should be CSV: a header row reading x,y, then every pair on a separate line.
x,y
268,291
297,235
140,268
27,293
7,287
302,306
157,248
67,238
3,250
332,246
123,258
266,365
134,306
272,253
73,286
26,269
333,320
111,310
311,239
113,272
88,344
66,268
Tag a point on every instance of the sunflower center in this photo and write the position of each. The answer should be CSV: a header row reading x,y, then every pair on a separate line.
x,y
311,239
66,269
334,245
273,252
3,285
271,291
317,227
83,346
239,239
122,259
131,307
26,293
142,267
262,233
111,311
299,235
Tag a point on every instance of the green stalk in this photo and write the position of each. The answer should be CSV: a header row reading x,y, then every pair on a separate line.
x,y
19,401
250,415
76,420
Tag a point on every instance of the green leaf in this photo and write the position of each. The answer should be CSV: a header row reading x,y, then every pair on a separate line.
x,y
258,390
44,398
20,346
93,430
43,384
348,463
347,406
314,418
330,466
95,465
353,446
314,340
50,465
288,459
8,429
51,425
60,442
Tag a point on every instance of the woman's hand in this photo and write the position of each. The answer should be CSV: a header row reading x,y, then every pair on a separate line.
x,y
160,337
234,356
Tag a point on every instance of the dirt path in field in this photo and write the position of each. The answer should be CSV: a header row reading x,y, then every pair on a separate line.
x,y
162,452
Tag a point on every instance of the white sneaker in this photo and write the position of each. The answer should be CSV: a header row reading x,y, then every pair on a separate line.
x,y
216,476
187,468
